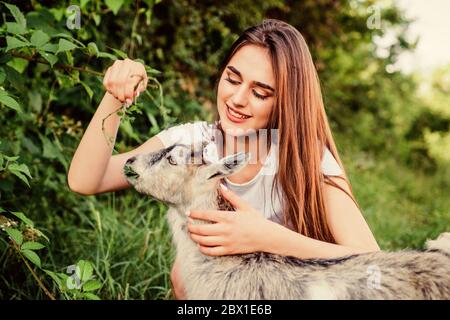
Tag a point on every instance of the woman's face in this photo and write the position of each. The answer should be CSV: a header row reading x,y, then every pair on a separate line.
x,y
245,94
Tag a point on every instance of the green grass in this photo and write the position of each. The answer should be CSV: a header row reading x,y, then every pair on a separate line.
x,y
402,206
127,238
124,234
129,242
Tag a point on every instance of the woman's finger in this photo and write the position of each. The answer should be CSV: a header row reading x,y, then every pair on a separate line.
x,y
234,199
106,80
213,251
113,78
208,229
209,241
129,92
123,79
210,215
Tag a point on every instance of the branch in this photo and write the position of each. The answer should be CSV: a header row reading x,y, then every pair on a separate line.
x,y
57,65
41,285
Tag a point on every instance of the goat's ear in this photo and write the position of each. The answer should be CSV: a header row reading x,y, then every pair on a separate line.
x,y
227,165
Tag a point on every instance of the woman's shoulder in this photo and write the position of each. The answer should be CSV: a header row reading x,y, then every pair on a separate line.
x,y
185,133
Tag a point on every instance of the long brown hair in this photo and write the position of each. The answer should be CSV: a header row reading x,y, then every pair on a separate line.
x,y
303,129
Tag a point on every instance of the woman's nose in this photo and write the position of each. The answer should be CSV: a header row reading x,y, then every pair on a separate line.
x,y
240,97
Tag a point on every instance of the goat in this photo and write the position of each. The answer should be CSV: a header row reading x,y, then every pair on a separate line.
x,y
186,184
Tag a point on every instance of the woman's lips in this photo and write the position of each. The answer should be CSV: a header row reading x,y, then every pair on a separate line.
x,y
233,117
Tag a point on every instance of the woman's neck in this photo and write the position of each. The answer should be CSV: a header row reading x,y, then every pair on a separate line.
x,y
257,146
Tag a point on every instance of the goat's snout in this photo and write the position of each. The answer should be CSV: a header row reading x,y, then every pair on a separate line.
x,y
131,160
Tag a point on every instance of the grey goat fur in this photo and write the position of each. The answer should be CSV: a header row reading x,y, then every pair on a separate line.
x,y
187,184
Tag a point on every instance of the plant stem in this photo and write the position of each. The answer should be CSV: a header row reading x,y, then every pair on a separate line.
x,y
48,293
57,65
133,30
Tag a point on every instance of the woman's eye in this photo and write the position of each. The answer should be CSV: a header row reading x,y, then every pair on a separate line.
x,y
171,161
231,80
259,96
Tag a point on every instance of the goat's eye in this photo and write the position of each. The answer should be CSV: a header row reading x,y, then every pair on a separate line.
x,y
171,161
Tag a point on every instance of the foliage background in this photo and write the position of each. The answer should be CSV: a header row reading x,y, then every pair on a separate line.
x,y
394,138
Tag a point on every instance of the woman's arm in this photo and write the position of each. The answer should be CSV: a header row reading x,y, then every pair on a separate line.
x,y
286,242
347,224
248,231
92,169
93,152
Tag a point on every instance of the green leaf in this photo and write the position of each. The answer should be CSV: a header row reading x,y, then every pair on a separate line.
x,y
148,17
21,168
32,256
68,36
20,176
92,285
50,47
2,75
85,270
15,28
88,90
58,13
83,3
17,14
15,234
14,158
39,38
18,64
92,49
13,43
65,45
69,58
10,102
50,151
31,245
114,5
107,55
97,18
16,79
23,218
120,53
56,278
90,296
51,58
40,234
150,70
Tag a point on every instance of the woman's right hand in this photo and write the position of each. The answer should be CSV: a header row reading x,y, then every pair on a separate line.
x,y
122,78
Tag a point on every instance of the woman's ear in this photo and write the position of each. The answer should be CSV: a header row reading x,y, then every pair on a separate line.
x,y
226,166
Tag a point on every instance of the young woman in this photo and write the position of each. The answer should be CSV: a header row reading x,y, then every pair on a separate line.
x,y
267,81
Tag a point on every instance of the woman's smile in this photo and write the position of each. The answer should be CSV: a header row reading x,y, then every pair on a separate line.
x,y
236,116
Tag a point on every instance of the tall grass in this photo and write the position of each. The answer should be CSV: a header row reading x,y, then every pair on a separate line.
x,y
126,236
403,206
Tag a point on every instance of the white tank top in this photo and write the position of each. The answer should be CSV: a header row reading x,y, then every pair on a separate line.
x,y
258,191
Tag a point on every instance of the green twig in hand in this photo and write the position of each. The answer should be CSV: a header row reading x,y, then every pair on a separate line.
x,y
123,109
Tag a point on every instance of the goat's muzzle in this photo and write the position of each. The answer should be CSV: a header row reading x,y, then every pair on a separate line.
x,y
128,170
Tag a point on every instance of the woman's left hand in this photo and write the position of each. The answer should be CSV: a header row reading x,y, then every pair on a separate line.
x,y
233,232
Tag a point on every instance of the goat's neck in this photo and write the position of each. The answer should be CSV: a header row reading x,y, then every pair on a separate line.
x,y
208,200
211,200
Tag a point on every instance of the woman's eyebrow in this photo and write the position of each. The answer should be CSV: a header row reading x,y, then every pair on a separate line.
x,y
259,84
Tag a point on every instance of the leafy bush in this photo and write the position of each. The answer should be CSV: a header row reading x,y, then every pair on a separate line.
x,y
51,83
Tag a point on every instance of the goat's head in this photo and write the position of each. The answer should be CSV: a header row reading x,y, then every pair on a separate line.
x,y
177,174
